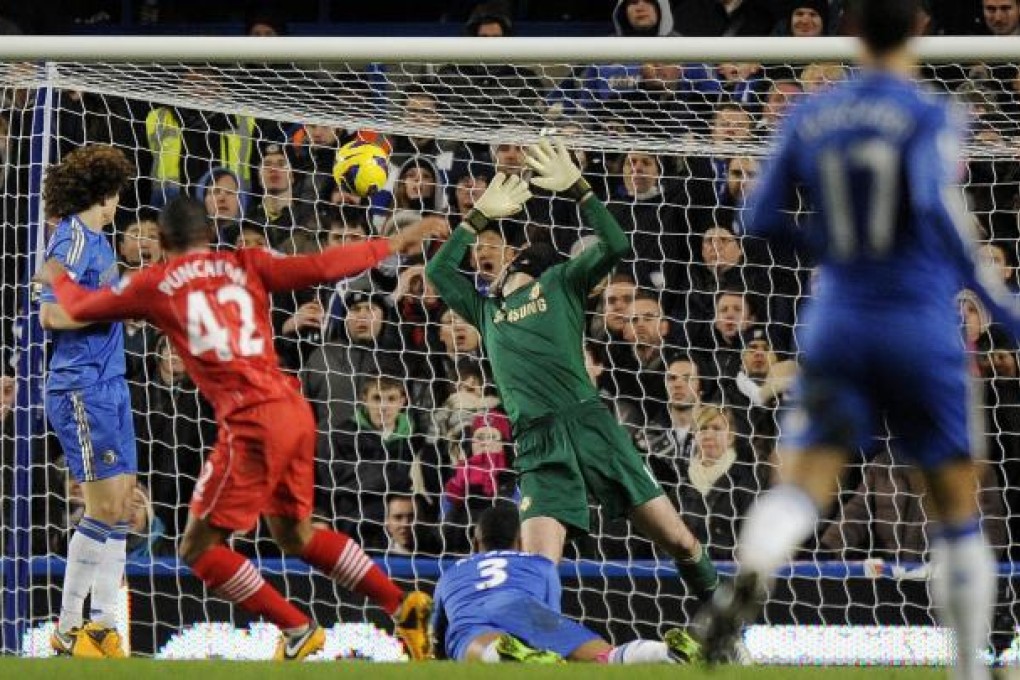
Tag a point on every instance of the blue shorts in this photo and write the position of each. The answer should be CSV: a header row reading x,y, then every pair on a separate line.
x,y
529,620
95,430
862,372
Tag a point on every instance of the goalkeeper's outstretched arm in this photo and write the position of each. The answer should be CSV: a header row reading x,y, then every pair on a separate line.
x,y
556,171
504,197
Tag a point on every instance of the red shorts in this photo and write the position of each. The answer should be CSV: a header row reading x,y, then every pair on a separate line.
x,y
263,464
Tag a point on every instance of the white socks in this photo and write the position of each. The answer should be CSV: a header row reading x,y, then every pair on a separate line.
x,y
490,655
963,586
640,651
109,577
85,556
778,522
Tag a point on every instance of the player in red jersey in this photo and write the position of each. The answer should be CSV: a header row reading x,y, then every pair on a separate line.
x,y
214,306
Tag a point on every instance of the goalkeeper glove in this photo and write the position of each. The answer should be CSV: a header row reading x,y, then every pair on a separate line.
x,y
504,197
556,170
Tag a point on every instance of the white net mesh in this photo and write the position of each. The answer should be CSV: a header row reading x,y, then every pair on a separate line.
x,y
696,314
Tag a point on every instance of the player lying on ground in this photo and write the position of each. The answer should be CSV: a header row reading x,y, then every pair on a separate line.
x,y
504,605
532,327
214,306
87,399
879,159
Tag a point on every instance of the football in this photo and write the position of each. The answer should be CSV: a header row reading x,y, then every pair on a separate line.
x,y
361,168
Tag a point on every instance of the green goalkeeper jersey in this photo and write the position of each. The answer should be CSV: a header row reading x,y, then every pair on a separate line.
x,y
534,336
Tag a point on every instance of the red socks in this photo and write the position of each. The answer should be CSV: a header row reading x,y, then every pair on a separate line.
x,y
338,556
235,579
342,559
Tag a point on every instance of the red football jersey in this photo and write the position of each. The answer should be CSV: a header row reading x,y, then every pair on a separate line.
x,y
214,307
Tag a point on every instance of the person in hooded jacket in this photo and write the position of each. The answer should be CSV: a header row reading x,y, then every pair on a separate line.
x,y
654,93
418,193
806,19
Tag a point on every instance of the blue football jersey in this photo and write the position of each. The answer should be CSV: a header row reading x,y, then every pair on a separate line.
x,y
466,591
84,357
879,159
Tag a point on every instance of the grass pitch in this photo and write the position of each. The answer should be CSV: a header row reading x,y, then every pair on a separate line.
x,y
144,669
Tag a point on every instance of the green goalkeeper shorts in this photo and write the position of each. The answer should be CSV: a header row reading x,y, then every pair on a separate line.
x,y
580,451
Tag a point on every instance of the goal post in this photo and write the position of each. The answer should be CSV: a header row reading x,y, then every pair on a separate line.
x,y
672,148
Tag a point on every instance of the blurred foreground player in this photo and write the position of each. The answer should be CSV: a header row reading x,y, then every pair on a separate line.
x,y
504,605
214,306
879,159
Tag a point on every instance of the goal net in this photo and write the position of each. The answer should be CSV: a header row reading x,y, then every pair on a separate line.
x,y
692,341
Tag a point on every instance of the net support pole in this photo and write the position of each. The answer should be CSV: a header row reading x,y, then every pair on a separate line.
x,y
29,415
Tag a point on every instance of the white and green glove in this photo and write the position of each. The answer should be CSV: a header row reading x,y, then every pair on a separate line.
x,y
555,170
504,197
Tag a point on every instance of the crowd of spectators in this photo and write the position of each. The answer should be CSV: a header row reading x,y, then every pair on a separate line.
x,y
690,341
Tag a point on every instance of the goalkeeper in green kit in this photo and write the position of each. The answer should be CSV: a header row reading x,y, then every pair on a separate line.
x,y
532,326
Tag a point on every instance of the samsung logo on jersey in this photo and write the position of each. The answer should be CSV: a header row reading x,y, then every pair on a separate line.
x,y
523,311
200,269
888,117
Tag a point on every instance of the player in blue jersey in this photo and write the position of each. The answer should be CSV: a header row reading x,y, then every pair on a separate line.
x,y
87,401
504,605
878,158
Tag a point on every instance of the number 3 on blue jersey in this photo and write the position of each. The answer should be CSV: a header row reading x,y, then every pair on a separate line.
x,y
493,573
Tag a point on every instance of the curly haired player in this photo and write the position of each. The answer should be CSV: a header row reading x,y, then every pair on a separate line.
x,y
87,400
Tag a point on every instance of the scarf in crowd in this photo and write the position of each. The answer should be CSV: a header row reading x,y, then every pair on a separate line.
x,y
704,476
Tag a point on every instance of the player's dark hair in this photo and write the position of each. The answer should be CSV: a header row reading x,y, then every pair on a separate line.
x,y
885,25
183,223
87,176
498,527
